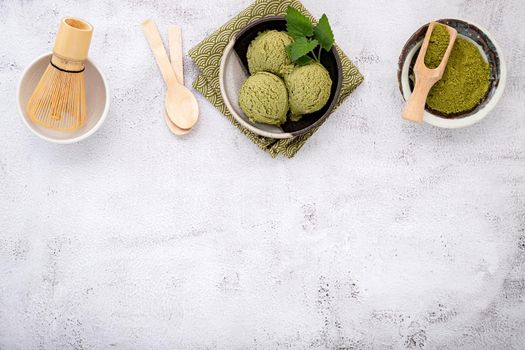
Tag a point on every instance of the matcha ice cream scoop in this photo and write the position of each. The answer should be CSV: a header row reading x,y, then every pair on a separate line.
x,y
264,99
267,53
309,89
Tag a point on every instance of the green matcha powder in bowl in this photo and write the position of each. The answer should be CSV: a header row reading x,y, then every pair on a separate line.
x,y
466,78
473,81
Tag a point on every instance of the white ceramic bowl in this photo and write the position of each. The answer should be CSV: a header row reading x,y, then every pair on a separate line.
x,y
97,101
490,51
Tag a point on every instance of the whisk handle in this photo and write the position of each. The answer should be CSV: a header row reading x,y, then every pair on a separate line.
x,y
73,39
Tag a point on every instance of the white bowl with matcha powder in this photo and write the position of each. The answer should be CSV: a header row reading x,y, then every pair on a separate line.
x,y
489,51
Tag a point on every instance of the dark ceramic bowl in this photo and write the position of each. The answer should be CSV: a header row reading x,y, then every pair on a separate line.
x,y
234,71
489,50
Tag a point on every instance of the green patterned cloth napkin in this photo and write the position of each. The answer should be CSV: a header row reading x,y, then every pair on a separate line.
x,y
207,56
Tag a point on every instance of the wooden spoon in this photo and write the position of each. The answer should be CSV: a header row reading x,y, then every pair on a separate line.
x,y
426,77
174,128
181,105
175,44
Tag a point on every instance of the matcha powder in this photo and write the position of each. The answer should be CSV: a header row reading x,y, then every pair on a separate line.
x,y
466,78
437,46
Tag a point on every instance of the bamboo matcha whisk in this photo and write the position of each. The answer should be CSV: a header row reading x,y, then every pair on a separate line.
x,y
59,100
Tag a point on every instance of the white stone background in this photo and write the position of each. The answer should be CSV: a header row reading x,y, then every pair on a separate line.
x,y
378,234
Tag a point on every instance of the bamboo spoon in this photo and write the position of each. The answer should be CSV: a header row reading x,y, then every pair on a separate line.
x,y
175,44
426,77
181,105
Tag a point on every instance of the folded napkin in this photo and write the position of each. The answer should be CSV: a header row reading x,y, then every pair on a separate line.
x,y
207,56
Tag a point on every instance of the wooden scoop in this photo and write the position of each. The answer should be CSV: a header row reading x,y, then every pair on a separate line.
x,y
181,105
426,77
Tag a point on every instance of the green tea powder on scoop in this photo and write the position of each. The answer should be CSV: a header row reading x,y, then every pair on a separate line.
x,y
437,46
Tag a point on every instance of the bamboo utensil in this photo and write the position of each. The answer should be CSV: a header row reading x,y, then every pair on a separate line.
x,y
59,100
426,77
175,44
181,105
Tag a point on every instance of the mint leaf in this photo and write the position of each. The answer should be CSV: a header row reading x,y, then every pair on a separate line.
x,y
323,33
301,47
297,24
307,37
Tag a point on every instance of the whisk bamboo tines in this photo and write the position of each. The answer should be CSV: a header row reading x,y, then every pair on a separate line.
x,y
59,100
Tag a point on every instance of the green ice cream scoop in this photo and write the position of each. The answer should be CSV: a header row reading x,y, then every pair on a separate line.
x,y
309,89
267,53
264,99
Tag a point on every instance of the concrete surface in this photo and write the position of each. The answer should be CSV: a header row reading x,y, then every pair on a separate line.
x,y
379,234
